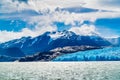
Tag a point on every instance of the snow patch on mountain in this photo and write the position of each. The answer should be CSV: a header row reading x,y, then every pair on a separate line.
x,y
56,35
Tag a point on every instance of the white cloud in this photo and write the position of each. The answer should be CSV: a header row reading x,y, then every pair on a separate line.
x,y
10,35
112,5
42,5
45,22
70,18
45,5
7,6
37,5
86,30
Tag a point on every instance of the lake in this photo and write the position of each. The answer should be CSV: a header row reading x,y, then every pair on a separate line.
x,y
60,71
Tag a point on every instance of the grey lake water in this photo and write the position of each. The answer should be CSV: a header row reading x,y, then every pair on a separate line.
x,y
60,71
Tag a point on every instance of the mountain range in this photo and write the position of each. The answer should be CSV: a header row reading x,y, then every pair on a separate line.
x,y
60,41
52,40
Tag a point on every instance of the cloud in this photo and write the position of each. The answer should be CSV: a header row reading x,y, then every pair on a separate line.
x,y
7,6
25,1
37,5
69,18
43,5
42,14
86,30
10,35
112,5
48,7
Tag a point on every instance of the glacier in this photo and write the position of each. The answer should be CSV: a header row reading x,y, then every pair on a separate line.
x,y
105,54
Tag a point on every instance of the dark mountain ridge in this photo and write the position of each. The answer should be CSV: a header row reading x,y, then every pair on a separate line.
x,y
52,40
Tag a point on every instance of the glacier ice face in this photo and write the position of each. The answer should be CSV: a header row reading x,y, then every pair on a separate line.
x,y
106,54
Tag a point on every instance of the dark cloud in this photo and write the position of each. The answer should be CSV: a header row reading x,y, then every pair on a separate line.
x,y
25,1
111,2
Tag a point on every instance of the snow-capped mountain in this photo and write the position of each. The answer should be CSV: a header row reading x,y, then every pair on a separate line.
x,y
52,40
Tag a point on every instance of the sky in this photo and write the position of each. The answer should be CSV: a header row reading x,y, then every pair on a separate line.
x,y
21,18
